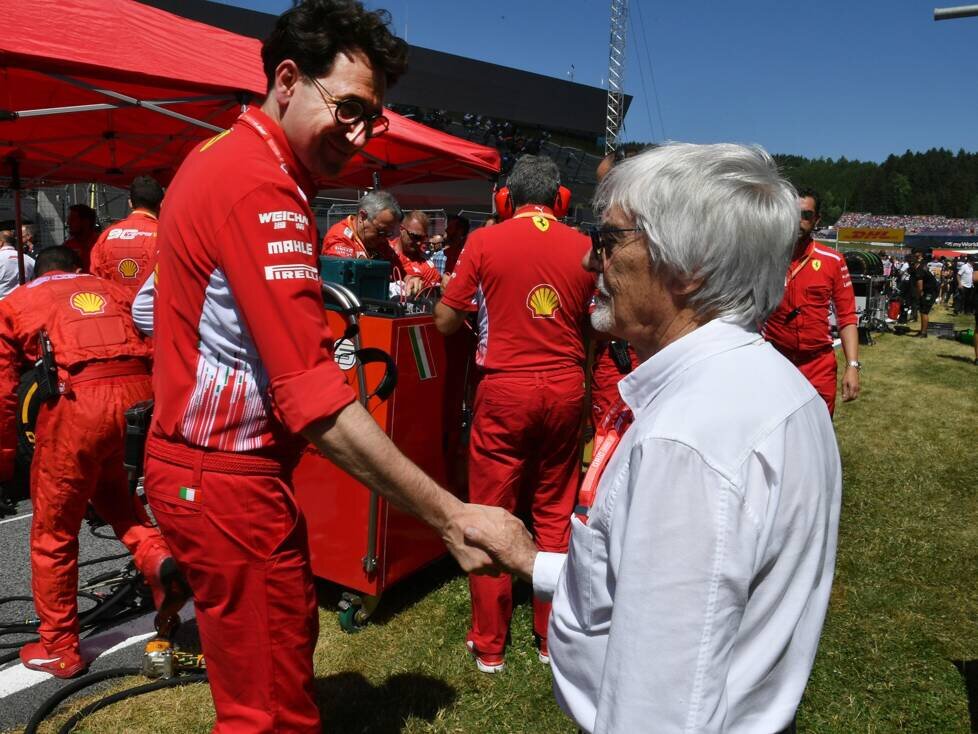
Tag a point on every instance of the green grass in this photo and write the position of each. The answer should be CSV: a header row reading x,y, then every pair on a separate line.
x,y
904,605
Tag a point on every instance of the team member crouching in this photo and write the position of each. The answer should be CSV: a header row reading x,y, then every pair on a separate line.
x,y
102,369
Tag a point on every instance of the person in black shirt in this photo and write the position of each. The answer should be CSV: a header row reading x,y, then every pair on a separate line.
x,y
925,288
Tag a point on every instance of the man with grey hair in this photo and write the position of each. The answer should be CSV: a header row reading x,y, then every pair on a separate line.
x,y
702,548
366,234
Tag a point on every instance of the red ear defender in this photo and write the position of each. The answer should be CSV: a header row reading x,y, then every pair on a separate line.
x,y
505,209
562,202
503,202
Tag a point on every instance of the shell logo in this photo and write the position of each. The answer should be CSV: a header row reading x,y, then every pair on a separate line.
x,y
87,303
543,301
129,268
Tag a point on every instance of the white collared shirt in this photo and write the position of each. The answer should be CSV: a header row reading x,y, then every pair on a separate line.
x,y
694,598
9,272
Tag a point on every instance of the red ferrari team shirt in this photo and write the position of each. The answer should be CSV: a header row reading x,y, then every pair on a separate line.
x,y
341,241
126,251
525,279
816,279
243,356
86,319
417,266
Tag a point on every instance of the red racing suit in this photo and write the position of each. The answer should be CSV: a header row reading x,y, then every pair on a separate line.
x,y
524,277
799,326
102,369
245,366
126,251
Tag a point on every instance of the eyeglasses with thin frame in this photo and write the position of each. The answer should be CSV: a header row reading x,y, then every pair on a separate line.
x,y
604,239
353,111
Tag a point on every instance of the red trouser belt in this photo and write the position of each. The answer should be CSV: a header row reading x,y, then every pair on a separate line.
x,y
123,367
215,461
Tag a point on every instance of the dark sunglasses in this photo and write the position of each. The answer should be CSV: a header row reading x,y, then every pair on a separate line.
x,y
807,215
604,239
353,111
415,237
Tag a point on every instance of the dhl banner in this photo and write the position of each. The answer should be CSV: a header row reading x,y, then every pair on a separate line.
x,y
870,234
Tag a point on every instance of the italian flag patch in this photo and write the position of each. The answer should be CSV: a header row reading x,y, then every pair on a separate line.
x,y
422,354
188,493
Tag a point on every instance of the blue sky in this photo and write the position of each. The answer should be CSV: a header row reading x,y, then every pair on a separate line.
x,y
863,78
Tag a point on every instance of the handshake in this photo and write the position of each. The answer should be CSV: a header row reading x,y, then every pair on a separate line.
x,y
487,540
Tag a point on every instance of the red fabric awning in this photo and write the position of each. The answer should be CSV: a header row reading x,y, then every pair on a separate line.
x,y
146,80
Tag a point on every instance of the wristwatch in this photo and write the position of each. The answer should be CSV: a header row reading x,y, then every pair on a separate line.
x,y
855,363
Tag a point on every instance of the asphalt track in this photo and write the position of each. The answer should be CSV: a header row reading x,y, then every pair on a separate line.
x,y
22,690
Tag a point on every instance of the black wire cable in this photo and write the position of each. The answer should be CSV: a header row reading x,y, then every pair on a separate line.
x,y
182,680
52,702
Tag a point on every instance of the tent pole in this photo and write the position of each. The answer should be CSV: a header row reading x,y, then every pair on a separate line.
x,y
18,219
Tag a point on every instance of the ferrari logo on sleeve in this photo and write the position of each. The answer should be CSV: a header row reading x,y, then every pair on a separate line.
x,y
87,303
128,268
543,301
816,264
542,223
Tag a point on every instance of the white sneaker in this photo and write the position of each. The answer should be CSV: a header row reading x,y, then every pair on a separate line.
x,y
486,663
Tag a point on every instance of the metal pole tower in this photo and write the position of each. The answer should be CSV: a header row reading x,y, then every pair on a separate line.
x,y
961,11
616,74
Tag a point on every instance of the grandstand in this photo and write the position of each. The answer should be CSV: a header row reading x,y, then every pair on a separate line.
x,y
922,224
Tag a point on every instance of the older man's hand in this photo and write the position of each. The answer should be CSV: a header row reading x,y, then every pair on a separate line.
x,y
471,558
504,538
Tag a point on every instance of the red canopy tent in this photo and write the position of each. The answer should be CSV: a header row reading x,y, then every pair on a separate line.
x,y
103,91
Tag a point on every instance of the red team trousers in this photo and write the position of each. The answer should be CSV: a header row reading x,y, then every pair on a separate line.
x,y
236,532
821,369
524,449
78,459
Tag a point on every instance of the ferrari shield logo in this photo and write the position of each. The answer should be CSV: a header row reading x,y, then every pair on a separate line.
x,y
542,223
816,264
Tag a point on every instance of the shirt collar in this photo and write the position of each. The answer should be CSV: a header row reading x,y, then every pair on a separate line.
x,y
531,209
275,131
640,388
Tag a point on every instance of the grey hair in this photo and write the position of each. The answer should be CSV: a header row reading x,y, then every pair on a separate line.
x,y
721,212
534,179
374,202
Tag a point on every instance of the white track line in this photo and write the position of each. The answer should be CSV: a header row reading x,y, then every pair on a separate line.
x,y
17,678
14,519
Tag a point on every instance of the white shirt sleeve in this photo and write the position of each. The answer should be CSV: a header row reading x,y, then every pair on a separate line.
x,y
143,305
681,584
546,573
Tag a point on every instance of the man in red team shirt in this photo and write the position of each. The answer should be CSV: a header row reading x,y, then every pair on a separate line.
x,y
246,370
524,278
126,251
799,326
82,233
409,247
102,369
367,233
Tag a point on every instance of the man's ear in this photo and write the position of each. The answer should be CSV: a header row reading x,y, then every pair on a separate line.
x,y
287,77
